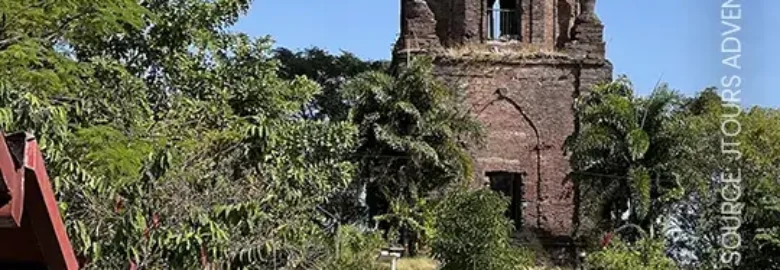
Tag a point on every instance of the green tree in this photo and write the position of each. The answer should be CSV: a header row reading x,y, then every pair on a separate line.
x,y
332,103
330,72
624,153
698,217
694,219
413,138
684,139
172,142
760,190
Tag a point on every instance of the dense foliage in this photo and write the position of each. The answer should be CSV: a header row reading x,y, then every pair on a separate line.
x,y
331,72
356,250
645,254
174,143
412,144
663,162
472,232
625,151
177,144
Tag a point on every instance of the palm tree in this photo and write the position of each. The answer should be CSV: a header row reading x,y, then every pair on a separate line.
x,y
623,153
413,136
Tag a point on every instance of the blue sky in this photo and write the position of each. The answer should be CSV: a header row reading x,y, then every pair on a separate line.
x,y
676,41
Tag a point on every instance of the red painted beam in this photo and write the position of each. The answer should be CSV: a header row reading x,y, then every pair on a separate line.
x,y
44,213
12,190
31,219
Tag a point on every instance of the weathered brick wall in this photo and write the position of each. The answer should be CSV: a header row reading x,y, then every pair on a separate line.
x,y
523,98
565,12
418,27
526,109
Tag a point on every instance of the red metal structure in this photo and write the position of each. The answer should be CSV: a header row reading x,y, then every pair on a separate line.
x,y
32,232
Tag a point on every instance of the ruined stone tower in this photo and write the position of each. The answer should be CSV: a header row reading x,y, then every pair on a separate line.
x,y
521,65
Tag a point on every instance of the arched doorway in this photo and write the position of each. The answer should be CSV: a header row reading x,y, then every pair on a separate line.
x,y
510,160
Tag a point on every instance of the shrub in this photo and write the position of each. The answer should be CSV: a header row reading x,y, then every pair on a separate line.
x,y
357,250
645,254
471,232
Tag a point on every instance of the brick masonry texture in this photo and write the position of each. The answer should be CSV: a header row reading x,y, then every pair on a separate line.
x,y
526,110
523,98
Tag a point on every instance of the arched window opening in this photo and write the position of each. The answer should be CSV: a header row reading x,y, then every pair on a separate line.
x,y
503,20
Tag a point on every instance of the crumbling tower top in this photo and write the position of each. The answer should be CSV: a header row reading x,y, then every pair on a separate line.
x,y
570,27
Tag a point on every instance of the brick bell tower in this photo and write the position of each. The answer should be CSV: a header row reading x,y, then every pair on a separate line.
x,y
521,64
